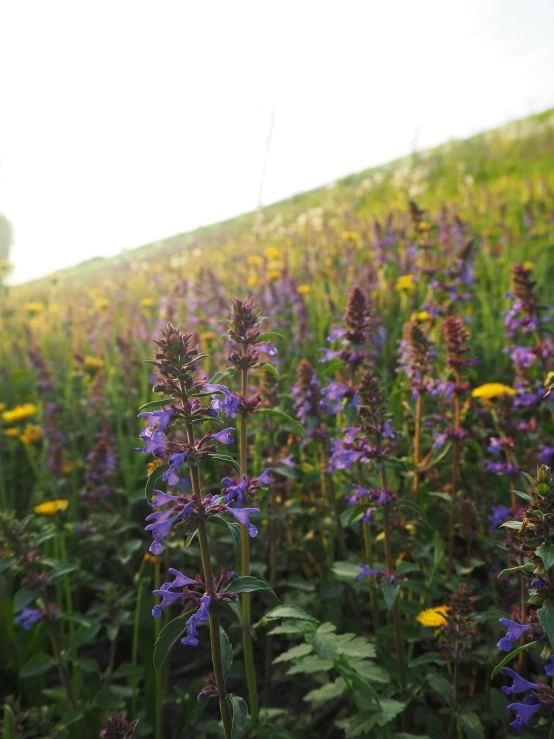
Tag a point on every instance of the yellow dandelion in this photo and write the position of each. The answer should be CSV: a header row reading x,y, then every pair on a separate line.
x,y
31,435
273,275
51,507
252,281
272,253
404,282
12,433
422,315
528,266
34,307
255,260
423,226
101,303
410,528
303,289
274,264
433,617
93,364
491,390
151,466
20,413
146,303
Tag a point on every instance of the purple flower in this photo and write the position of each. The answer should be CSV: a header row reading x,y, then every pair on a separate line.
x,y
28,617
201,616
549,669
154,438
336,333
329,355
160,528
168,597
498,514
157,418
159,498
265,478
171,475
495,445
524,712
241,514
388,433
229,405
520,685
513,634
545,453
366,518
224,437
180,580
266,349
365,571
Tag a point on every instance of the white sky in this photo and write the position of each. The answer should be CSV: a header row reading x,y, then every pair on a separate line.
x,y
122,122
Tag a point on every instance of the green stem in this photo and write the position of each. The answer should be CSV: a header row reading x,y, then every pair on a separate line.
x,y
134,679
214,629
159,673
453,484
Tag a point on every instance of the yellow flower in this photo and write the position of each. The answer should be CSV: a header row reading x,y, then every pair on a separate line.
x,y
303,289
433,616
34,307
146,303
352,236
252,281
101,303
404,282
20,413
12,433
380,537
492,390
423,226
274,264
93,363
422,315
410,528
2,407
151,466
255,260
528,266
31,435
150,558
207,335
51,507
68,466
273,275
272,253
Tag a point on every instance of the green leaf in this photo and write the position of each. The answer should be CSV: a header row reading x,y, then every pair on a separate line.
x,y
361,724
169,635
346,570
524,496
36,666
232,528
153,478
414,507
293,626
226,653
9,724
514,525
350,645
310,665
248,584
301,650
521,568
369,671
546,617
509,657
324,641
283,416
546,553
240,712
441,686
327,692
83,635
61,571
226,459
216,379
270,335
335,366
155,404
288,612
268,367
390,709
390,592
431,658
471,724
22,599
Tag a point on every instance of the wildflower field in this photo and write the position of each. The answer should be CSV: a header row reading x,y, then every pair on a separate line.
x,y
289,476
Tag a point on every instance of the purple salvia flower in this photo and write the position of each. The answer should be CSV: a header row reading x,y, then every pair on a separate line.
x,y
224,437
28,617
524,712
520,685
514,632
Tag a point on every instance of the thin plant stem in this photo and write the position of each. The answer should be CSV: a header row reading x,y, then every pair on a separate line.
x,y
454,482
134,658
417,447
159,673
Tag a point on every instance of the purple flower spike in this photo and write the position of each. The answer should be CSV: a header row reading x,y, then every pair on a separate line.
x,y
157,418
229,405
513,634
524,712
201,616
520,685
225,436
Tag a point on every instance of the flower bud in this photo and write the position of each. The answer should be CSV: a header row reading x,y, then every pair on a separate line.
x,y
543,489
542,475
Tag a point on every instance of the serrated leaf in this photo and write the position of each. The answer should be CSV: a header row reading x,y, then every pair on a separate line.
x,y
248,584
153,478
283,417
167,638
441,686
471,724
310,665
326,692
240,712
37,665
350,645
520,568
324,641
301,650
292,627
390,708
369,670
288,612
360,724
510,656
226,653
